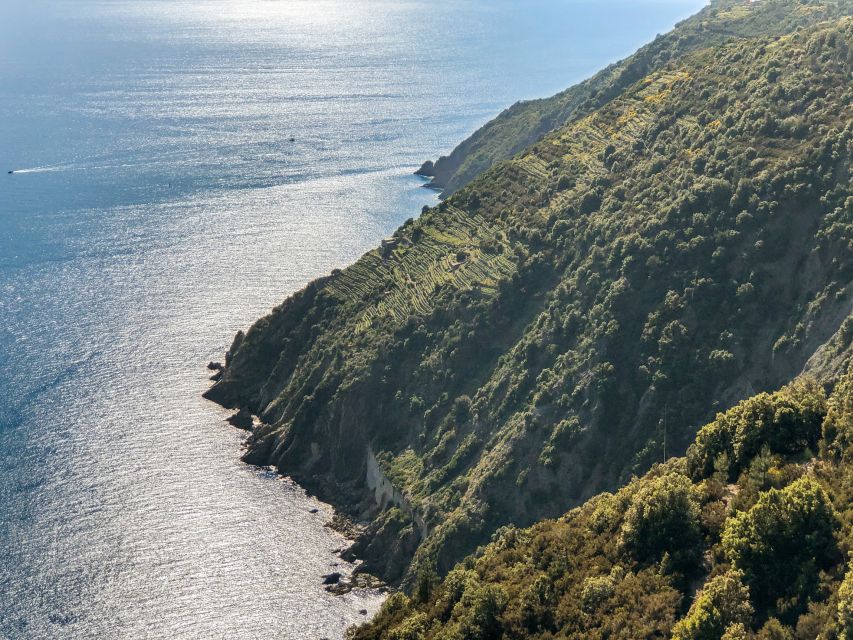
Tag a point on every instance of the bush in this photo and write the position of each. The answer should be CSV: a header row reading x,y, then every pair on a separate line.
x,y
782,543
722,603
663,519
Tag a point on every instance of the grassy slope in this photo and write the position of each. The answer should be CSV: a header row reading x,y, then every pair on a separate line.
x,y
764,533
526,122
565,319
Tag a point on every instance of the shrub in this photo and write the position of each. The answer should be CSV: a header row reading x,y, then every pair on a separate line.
x,y
783,542
565,182
721,604
663,519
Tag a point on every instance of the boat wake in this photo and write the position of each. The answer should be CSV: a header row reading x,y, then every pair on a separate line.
x,y
58,167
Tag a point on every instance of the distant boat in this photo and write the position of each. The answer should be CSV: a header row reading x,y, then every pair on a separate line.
x,y
11,172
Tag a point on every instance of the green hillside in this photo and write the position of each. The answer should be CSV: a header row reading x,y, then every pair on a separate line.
x,y
575,313
526,122
749,536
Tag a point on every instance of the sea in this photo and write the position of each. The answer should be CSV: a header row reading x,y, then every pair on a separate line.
x,y
179,168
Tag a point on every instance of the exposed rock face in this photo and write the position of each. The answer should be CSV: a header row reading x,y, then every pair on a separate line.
x,y
386,495
242,420
426,170
385,547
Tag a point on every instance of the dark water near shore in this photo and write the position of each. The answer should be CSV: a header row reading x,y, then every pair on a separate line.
x,y
157,206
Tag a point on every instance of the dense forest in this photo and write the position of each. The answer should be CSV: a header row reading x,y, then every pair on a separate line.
x,y
674,239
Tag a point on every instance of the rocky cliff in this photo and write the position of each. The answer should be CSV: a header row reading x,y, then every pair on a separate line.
x,y
575,313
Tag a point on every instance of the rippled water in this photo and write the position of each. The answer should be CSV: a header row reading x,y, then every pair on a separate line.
x,y
159,205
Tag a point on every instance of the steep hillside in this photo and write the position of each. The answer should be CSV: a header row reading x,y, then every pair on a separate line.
x,y
574,314
526,122
749,536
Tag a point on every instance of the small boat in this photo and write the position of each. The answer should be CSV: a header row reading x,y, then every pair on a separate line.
x,y
11,172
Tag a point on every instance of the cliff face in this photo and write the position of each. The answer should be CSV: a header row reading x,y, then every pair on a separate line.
x,y
574,314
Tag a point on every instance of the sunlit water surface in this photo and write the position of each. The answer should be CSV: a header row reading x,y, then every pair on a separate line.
x,y
159,205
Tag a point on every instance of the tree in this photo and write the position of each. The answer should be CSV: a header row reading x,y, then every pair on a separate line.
x,y
426,581
774,630
596,589
786,422
412,628
735,631
782,543
538,601
838,425
663,519
722,603
483,605
845,607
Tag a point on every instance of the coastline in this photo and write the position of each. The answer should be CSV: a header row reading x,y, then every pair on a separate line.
x,y
353,513
358,503
375,548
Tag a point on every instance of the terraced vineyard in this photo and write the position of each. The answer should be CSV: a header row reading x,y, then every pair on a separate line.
x,y
527,122
447,251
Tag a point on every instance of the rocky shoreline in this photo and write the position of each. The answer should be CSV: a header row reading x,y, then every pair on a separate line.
x,y
347,503
384,529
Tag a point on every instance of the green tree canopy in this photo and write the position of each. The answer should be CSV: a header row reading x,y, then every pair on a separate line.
x,y
663,519
722,604
782,543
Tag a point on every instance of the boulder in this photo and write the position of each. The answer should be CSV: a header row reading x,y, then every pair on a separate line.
x,y
242,420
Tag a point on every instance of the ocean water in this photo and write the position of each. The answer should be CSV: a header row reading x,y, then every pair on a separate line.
x,y
179,168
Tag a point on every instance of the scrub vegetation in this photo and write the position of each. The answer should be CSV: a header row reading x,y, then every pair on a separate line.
x,y
754,546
